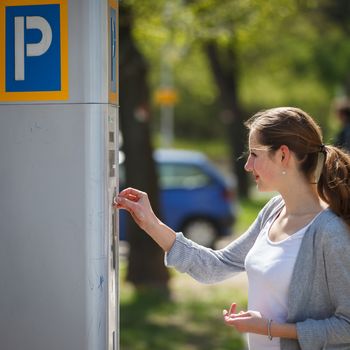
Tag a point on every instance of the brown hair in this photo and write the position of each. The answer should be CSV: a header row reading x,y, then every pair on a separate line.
x,y
296,129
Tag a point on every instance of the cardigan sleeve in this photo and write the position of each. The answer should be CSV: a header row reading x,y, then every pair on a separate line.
x,y
210,266
316,334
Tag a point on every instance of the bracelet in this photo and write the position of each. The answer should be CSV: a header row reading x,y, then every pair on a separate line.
x,y
269,329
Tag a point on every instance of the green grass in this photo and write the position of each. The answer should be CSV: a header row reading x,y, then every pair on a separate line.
x,y
190,319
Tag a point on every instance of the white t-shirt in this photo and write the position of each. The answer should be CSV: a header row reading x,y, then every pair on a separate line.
x,y
269,267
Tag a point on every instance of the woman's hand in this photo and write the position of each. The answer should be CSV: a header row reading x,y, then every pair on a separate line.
x,y
253,322
245,321
137,204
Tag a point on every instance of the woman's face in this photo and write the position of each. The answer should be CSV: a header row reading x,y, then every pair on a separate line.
x,y
263,165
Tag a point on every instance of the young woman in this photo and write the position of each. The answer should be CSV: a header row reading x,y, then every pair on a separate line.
x,y
296,253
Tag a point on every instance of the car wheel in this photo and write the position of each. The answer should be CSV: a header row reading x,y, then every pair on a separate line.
x,y
201,231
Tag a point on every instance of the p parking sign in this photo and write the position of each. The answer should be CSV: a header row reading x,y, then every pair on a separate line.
x,y
34,50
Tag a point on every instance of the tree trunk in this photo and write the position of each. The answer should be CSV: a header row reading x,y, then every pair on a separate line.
x,y
224,67
146,259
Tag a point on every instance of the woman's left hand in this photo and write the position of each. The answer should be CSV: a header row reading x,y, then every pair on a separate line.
x,y
245,321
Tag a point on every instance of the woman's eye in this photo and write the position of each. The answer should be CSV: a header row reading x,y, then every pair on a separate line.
x,y
252,154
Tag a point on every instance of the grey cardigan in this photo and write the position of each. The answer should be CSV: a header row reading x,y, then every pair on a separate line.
x,y
319,292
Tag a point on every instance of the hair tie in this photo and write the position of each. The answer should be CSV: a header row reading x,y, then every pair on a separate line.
x,y
321,157
322,148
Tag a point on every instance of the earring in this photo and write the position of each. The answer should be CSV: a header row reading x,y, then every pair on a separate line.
x,y
284,172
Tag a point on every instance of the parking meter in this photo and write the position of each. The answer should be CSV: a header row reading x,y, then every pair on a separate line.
x,y
58,175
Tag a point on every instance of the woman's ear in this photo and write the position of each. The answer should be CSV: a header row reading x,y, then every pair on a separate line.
x,y
285,154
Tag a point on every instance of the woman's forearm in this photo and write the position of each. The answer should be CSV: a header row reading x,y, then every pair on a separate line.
x,y
163,235
283,330
137,204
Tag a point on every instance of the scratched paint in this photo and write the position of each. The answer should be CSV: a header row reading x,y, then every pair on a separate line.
x,y
101,282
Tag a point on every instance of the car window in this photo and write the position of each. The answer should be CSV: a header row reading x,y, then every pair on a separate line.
x,y
182,175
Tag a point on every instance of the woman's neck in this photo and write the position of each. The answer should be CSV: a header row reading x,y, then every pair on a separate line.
x,y
302,201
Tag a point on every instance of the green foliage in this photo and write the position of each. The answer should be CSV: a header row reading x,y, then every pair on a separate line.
x,y
216,150
333,59
289,53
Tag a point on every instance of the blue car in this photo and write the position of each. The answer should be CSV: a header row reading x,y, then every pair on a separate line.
x,y
196,198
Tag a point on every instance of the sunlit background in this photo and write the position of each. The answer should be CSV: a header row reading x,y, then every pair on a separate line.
x,y
190,73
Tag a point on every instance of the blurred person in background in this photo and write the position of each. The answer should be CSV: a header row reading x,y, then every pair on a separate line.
x,y
342,110
297,251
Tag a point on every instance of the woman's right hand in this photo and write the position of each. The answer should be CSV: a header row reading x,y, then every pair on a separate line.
x,y
137,204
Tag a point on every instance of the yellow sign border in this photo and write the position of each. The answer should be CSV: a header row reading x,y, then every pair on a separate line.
x,y
113,96
63,94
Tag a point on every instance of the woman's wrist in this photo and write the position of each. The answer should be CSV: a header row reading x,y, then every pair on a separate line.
x,y
162,234
153,226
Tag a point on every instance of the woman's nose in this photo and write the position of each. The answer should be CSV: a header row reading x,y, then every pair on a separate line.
x,y
248,165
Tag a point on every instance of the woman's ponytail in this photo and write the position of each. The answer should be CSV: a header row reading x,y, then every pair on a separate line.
x,y
334,183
